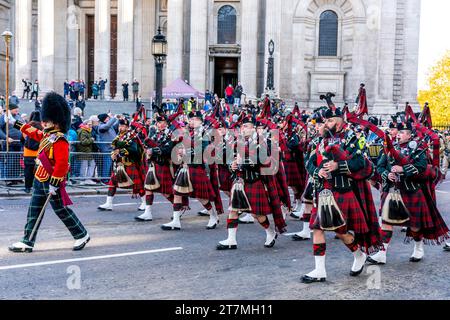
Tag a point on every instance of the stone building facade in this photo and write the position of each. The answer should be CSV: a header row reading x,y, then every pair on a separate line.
x,y
319,45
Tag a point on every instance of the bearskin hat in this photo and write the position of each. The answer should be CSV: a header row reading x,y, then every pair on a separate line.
x,y
55,109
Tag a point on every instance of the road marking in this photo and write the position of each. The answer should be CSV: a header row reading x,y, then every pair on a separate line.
x,y
439,191
46,263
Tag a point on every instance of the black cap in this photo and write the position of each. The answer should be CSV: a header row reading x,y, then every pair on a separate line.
x,y
102,117
195,114
330,113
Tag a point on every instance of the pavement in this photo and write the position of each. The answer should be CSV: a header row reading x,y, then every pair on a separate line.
x,y
130,260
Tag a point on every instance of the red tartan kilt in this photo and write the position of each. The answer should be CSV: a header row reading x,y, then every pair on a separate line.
x,y
165,179
135,175
200,183
224,178
417,207
293,176
351,211
258,198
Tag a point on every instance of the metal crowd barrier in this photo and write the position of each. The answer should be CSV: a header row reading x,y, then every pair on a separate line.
x,y
88,168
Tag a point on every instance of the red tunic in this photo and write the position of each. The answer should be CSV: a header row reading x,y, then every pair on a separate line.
x,y
56,148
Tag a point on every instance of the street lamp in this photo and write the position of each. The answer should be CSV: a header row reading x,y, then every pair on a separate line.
x,y
159,51
7,35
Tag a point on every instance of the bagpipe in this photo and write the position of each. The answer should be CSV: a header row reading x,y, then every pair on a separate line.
x,y
151,180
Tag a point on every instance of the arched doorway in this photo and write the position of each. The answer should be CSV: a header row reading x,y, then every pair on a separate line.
x,y
226,73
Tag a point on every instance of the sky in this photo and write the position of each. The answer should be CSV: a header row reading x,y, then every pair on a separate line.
x,y
434,36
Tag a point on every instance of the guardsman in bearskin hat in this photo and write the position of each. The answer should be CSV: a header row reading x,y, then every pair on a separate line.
x,y
406,199
191,179
333,167
249,193
127,157
50,177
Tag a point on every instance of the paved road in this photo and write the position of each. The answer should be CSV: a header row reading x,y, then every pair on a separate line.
x,y
120,262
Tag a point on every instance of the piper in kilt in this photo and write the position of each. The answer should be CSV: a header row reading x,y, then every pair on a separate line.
x,y
50,176
401,170
159,177
308,195
191,179
338,207
127,159
249,193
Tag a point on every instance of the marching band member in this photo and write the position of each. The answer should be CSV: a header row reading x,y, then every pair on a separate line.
x,y
51,173
338,207
127,159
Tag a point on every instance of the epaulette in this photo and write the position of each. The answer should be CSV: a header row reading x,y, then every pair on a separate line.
x,y
56,136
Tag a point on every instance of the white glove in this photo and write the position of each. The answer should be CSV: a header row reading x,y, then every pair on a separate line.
x,y
53,190
9,116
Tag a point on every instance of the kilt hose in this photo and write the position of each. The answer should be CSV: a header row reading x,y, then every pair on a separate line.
x,y
164,178
200,183
424,215
224,178
137,175
67,216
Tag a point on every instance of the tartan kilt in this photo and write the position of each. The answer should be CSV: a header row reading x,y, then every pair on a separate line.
x,y
416,204
135,174
224,178
258,198
200,183
351,212
165,179
293,176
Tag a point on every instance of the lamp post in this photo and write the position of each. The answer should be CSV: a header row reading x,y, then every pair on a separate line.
x,y
159,51
7,35
270,67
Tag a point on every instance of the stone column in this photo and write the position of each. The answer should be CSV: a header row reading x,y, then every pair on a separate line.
x,y
125,42
46,45
249,47
103,42
73,41
273,32
386,52
23,33
411,52
175,40
60,60
199,45
144,29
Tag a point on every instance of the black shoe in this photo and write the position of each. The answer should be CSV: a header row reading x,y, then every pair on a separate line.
x,y
81,246
166,228
213,227
298,238
272,244
404,229
415,260
294,216
20,250
373,262
142,220
308,280
447,248
222,247
356,273
28,191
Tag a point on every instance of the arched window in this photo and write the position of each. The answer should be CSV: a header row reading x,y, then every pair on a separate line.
x,y
328,33
226,27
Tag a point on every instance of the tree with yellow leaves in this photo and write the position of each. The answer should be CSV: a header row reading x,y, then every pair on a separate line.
x,y
438,94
